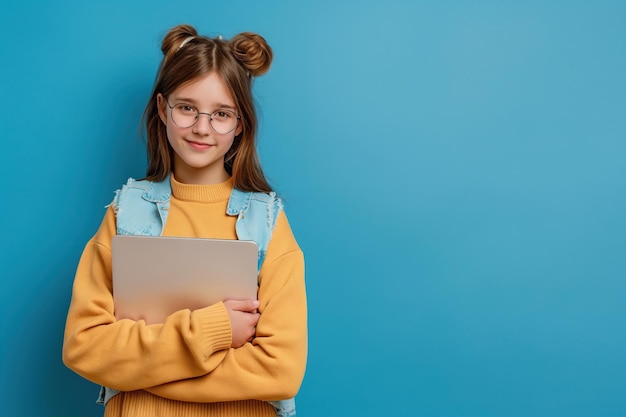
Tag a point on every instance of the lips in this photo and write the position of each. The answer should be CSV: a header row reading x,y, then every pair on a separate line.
x,y
199,145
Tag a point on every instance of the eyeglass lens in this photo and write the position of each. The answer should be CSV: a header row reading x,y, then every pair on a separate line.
x,y
222,121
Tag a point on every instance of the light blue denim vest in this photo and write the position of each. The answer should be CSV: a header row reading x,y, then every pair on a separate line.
x,y
142,207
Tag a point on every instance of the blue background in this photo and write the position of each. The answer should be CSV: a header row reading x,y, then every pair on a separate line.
x,y
454,171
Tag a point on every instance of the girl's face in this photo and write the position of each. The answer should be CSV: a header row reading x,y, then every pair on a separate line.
x,y
199,150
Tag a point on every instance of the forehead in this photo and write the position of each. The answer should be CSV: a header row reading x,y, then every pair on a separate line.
x,y
207,90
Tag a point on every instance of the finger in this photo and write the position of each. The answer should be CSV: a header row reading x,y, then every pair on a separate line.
x,y
243,305
254,319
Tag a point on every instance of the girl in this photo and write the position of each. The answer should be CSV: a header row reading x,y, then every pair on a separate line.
x,y
233,358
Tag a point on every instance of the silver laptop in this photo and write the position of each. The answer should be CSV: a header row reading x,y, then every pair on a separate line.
x,y
155,276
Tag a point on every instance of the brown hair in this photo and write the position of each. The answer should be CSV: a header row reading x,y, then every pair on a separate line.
x,y
187,56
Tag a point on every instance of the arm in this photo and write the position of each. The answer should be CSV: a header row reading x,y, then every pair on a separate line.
x,y
273,365
129,355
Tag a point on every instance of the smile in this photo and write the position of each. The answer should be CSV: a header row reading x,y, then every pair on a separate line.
x,y
199,145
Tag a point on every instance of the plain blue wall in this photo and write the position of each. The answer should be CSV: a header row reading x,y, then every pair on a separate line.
x,y
454,171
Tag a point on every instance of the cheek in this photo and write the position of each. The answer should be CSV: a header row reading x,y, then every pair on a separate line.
x,y
225,140
228,143
173,136
168,133
172,131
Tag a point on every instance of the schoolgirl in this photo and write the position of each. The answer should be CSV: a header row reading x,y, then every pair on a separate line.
x,y
233,358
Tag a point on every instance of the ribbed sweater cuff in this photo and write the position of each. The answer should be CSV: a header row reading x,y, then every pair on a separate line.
x,y
214,325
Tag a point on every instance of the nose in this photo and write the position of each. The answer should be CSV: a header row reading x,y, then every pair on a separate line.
x,y
203,124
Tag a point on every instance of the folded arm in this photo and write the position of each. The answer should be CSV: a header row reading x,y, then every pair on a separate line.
x,y
129,355
272,366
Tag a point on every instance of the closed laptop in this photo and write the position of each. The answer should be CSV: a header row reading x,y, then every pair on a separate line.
x,y
155,276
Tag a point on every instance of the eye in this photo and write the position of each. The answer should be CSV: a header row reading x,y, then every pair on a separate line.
x,y
223,114
184,108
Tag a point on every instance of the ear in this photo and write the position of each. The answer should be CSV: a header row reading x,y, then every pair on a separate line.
x,y
161,103
239,128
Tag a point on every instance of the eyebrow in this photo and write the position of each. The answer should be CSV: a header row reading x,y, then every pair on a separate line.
x,y
195,103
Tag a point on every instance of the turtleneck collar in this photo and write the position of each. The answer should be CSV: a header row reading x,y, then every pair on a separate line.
x,y
204,193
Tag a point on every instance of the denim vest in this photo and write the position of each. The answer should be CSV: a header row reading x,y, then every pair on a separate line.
x,y
141,208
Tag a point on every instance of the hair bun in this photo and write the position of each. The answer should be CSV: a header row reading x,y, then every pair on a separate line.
x,y
253,52
175,37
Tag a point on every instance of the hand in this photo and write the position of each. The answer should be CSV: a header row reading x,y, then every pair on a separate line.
x,y
243,319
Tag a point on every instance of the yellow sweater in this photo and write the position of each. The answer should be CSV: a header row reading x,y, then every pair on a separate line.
x,y
185,367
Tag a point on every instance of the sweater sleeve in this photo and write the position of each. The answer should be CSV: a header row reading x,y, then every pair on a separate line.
x,y
129,355
272,366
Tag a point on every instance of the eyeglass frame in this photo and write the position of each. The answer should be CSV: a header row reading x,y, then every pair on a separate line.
x,y
198,117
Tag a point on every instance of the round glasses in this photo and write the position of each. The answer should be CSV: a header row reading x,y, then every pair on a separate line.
x,y
222,121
